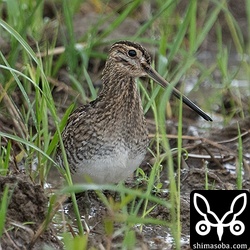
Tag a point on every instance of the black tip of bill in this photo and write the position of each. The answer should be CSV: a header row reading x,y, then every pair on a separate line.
x,y
194,107
159,79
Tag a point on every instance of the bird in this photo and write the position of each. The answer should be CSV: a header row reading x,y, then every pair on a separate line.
x,y
106,140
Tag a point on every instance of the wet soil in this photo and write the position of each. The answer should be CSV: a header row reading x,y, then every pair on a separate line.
x,y
212,152
28,202
222,147
27,208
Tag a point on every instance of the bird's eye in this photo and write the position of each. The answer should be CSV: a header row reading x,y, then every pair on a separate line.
x,y
132,53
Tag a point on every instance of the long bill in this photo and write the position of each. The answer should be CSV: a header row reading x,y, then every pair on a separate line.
x,y
159,79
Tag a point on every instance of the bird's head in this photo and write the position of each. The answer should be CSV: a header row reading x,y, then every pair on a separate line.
x,y
129,58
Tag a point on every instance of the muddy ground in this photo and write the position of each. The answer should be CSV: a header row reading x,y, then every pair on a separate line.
x,y
26,212
219,150
215,147
29,201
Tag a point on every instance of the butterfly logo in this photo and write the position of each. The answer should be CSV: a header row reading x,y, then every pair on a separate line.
x,y
210,219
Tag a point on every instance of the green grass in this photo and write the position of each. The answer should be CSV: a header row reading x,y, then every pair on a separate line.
x,y
173,33
3,209
240,161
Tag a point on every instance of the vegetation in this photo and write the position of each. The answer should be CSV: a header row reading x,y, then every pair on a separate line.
x,y
35,101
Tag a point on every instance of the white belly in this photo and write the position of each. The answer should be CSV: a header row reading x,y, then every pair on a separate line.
x,y
110,169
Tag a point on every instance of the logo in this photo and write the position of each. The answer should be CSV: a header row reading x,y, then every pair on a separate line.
x,y
220,219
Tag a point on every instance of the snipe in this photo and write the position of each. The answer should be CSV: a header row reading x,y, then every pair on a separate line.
x,y
107,139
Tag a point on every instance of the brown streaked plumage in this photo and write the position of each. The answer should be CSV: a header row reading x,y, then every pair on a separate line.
x,y
107,139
